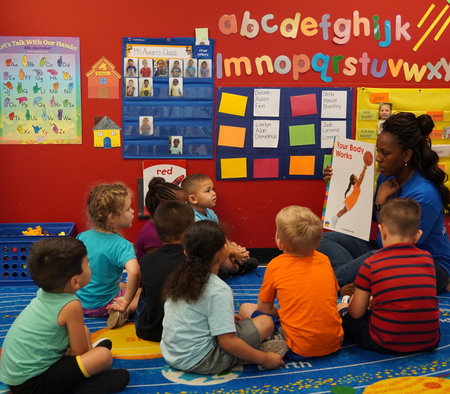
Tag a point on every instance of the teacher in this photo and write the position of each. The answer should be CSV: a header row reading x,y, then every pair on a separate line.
x,y
407,168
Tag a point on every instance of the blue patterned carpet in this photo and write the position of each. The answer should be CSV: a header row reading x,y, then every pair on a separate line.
x,y
351,370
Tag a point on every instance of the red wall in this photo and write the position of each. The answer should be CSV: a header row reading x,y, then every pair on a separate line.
x,y
49,183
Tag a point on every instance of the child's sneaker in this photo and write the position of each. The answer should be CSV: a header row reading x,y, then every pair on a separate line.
x,y
102,342
116,318
111,381
275,345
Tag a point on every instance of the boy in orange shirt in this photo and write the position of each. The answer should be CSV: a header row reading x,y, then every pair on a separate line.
x,y
303,281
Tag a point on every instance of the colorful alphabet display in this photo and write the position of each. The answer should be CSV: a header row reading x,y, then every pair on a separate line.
x,y
168,98
369,25
279,133
40,99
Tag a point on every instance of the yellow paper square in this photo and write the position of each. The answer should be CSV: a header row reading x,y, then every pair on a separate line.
x,y
233,104
234,168
302,165
231,136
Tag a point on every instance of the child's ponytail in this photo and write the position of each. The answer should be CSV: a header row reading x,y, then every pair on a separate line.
x,y
202,241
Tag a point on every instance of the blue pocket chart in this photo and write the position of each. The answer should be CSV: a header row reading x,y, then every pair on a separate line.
x,y
167,99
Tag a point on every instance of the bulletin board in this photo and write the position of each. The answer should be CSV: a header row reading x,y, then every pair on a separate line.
x,y
435,102
279,133
168,98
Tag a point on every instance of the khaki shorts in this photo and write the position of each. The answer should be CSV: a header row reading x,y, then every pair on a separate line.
x,y
218,360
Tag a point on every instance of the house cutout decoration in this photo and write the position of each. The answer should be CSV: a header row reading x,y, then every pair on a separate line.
x,y
103,80
106,134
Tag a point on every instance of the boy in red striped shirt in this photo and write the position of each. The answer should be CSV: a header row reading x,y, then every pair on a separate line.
x,y
394,308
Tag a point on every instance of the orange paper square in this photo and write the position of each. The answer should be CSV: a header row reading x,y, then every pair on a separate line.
x,y
302,165
231,136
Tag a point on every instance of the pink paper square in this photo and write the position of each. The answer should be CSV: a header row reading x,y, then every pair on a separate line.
x,y
304,105
265,168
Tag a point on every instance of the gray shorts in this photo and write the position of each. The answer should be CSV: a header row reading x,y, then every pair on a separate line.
x,y
218,360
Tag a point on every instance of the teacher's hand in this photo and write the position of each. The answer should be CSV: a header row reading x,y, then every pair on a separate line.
x,y
387,189
327,173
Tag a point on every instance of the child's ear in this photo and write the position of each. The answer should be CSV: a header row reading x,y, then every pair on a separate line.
x,y
383,232
191,199
279,243
74,282
417,236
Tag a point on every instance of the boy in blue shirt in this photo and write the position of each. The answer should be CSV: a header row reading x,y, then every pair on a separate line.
x,y
202,197
48,348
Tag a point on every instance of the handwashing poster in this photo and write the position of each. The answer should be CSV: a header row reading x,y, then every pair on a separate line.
x,y
40,100
349,196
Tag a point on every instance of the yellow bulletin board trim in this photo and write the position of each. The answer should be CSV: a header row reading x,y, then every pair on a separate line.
x,y
435,102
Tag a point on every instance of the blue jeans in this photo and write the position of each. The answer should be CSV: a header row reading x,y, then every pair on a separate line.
x,y
346,254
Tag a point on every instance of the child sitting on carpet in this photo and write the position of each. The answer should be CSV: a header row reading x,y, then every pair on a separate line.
x,y
303,281
171,220
158,191
201,196
48,348
109,209
403,315
200,334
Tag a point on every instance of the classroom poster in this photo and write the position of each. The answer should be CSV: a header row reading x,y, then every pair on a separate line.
x,y
349,196
40,100
172,171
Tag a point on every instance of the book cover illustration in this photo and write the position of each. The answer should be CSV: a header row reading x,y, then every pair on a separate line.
x,y
349,197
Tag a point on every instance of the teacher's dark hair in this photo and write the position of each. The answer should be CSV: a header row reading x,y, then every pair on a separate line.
x,y
413,132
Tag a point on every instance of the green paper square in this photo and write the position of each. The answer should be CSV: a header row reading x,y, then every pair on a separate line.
x,y
302,135
326,160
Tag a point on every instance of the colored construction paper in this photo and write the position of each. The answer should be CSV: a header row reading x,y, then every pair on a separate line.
x,y
265,168
266,133
233,104
326,161
366,134
266,102
334,104
302,135
436,134
329,129
437,116
367,114
379,97
231,136
201,36
304,105
234,168
302,165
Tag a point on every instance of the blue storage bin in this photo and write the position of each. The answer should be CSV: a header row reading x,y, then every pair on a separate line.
x,y
14,248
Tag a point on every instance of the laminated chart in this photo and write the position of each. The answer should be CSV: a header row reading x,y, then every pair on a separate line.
x,y
279,133
168,98
40,99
